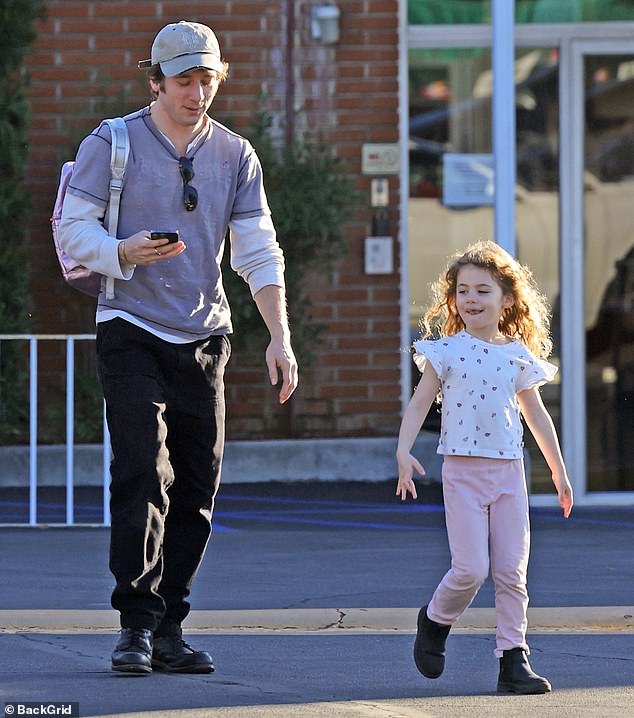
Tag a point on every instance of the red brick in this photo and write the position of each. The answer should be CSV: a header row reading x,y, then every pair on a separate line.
x,y
129,9
67,8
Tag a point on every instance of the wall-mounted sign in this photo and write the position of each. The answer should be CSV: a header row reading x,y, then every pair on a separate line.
x,y
380,159
379,255
468,180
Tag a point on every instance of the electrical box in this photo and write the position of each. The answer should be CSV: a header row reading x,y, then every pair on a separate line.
x,y
379,192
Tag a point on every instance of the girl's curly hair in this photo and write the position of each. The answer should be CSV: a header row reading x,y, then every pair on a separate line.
x,y
528,319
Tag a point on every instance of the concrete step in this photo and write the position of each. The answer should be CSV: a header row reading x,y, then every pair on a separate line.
x,y
349,459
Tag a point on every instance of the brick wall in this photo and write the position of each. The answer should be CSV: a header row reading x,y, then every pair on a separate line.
x,y
83,67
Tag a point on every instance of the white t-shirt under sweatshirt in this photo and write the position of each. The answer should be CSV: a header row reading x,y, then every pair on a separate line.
x,y
479,386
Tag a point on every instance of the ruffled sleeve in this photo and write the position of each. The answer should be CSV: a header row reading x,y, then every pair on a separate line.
x,y
429,350
534,372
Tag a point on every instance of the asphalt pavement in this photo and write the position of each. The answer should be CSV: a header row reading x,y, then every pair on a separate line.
x,y
307,599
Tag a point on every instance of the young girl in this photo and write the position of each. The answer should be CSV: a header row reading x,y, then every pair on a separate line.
x,y
487,365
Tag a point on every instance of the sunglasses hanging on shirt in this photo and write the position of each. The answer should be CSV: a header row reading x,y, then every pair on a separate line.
x,y
190,193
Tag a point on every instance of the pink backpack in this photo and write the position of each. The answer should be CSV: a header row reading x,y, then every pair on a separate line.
x,y
75,274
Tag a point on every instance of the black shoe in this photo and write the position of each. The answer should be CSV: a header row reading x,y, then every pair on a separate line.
x,y
172,654
429,647
516,675
133,652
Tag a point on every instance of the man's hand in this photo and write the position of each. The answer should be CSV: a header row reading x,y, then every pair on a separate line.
x,y
271,303
280,358
140,249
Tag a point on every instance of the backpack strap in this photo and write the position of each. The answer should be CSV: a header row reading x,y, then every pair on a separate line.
x,y
119,151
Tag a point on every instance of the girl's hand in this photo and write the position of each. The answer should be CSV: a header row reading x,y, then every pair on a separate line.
x,y
407,464
564,493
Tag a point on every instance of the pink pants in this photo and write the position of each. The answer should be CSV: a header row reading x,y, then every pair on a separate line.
x,y
486,511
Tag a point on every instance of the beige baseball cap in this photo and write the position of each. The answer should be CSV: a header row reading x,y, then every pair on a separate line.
x,y
183,46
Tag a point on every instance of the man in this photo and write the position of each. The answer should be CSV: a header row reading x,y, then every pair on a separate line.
x,y
162,338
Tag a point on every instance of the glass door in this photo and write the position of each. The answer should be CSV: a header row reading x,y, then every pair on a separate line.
x,y
597,307
608,273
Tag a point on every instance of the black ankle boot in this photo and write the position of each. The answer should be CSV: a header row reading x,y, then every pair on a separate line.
x,y
133,652
516,675
429,647
172,654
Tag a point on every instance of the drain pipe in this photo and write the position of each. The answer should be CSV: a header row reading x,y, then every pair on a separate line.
x,y
290,72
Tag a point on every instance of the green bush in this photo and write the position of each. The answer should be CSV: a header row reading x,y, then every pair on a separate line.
x,y
17,28
310,199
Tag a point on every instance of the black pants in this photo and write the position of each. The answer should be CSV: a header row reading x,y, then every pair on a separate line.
x,y
166,414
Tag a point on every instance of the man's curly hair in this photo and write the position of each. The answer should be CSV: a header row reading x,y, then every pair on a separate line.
x,y
155,74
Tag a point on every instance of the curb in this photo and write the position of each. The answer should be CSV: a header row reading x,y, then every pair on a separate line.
x,y
574,619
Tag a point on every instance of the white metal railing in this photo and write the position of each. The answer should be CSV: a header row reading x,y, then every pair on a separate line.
x,y
70,339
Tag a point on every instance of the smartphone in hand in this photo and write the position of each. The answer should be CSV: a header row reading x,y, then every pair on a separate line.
x,y
162,234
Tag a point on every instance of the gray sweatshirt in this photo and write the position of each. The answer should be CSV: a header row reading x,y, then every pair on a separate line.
x,y
180,299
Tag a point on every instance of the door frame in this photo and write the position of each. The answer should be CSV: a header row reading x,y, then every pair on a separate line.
x,y
574,40
572,282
